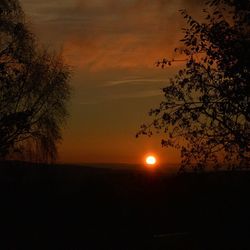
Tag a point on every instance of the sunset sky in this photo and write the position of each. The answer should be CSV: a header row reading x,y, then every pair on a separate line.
x,y
112,46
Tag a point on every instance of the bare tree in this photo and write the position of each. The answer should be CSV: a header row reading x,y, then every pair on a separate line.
x,y
205,113
34,89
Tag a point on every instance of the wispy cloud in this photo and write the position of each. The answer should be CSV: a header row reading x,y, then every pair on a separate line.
x,y
139,81
105,34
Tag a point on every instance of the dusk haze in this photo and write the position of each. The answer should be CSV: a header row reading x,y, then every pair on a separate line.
x,y
124,124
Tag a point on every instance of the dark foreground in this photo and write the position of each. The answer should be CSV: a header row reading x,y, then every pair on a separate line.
x,y
70,207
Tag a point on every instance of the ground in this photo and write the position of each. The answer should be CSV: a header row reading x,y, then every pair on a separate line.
x,y
77,207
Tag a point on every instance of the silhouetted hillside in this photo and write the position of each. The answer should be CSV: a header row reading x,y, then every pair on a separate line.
x,y
73,207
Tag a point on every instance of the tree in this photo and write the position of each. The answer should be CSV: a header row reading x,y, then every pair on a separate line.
x,y
205,112
34,90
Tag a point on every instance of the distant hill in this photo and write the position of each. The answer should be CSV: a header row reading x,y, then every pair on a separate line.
x,y
93,207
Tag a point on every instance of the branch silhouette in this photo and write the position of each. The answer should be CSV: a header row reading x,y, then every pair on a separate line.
x,y
34,85
205,113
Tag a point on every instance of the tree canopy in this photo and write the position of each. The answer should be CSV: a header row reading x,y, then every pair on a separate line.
x,y
205,112
34,90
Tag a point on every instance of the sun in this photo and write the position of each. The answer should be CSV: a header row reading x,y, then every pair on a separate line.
x,y
150,160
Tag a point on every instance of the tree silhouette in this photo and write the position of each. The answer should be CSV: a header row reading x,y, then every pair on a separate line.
x,y
34,90
205,112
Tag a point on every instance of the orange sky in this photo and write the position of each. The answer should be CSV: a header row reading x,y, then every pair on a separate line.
x,y
112,46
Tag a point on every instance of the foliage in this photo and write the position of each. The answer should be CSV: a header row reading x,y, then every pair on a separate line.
x,y
34,90
205,112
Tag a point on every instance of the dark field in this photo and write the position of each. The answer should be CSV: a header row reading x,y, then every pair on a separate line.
x,y
73,207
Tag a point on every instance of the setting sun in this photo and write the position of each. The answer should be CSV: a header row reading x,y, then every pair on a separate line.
x,y
150,160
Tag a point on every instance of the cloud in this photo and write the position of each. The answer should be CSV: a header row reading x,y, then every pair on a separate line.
x,y
108,34
113,51
133,82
